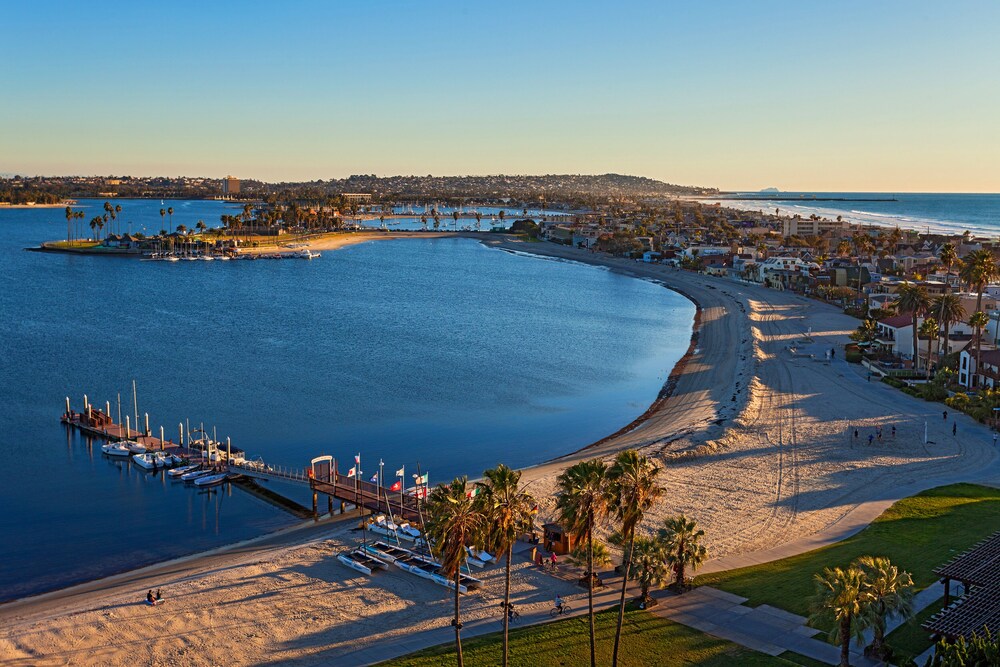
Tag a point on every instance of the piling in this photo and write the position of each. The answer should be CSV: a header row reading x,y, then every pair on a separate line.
x,y
67,406
147,424
180,430
85,403
161,438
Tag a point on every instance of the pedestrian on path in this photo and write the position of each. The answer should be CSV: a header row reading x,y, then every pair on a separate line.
x,y
994,439
856,436
878,433
870,439
954,428
893,431
945,415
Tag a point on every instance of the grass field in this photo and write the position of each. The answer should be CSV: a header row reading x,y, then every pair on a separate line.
x,y
646,640
917,534
909,639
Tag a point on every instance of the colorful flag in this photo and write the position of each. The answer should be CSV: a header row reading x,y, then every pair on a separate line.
x,y
396,487
534,510
357,459
400,472
352,472
421,479
374,478
473,493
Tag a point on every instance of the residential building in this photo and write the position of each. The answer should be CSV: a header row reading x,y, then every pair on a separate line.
x,y
989,373
814,227
230,186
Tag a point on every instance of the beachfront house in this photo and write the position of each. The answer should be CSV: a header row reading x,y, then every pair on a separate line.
x,y
988,375
785,272
895,335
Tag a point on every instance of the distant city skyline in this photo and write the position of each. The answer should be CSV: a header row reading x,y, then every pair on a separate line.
x,y
888,97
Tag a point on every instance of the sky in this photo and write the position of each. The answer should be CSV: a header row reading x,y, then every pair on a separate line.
x,y
846,96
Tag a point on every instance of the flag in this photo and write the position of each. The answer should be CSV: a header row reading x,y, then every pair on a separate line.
x,y
421,479
534,510
352,472
400,472
374,478
396,487
473,493
357,459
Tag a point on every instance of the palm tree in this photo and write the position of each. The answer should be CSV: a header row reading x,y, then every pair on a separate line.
x,y
979,320
929,330
648,567
680,540
582,502
170,212
950,311
201,227
632,490
913,299
510,512
78,215
118,211
163,212
93,224
454,523
949,257
890,593
843,248
70,215
979,270
840,601
454,216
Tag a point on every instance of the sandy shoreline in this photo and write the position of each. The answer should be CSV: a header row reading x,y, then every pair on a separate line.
x,y
776,461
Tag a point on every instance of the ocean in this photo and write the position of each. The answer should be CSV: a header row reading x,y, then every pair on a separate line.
x,y
441,352
925,212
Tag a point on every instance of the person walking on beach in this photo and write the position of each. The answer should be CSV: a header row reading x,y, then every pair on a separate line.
x,y
855,434
954,428
994,439
552,559
945,415
878,433
870,439
893,431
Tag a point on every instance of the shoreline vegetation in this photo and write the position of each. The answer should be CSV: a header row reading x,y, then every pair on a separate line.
x,y
738,383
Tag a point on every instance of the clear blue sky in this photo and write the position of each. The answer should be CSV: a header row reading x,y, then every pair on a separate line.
x,y
894,96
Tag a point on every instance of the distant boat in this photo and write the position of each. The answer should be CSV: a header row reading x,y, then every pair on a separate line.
x,y
115,449
147,461
177,472
211,480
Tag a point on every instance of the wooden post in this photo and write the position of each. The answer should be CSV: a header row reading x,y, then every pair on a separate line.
x,y
180,430
947,591
343,507
161,438
329,504
85,403
315,505
147,424
67,407
229,450
128,427
107,409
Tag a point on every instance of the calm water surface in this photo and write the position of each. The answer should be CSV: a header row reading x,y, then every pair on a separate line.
x,y
438,352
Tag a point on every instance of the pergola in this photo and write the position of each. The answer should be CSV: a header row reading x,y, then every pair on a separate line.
x,y
978,569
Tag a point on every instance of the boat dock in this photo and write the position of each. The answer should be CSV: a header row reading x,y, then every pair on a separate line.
x,y
321,475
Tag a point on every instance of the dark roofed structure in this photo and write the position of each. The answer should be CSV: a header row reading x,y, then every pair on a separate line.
x,y
978,569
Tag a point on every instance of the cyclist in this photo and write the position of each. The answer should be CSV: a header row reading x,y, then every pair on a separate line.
x,y
559,603
511,614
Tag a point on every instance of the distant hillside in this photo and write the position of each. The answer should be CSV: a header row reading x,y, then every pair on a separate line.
x,y
518,187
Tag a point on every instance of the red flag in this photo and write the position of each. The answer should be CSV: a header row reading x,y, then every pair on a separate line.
x,y
396,487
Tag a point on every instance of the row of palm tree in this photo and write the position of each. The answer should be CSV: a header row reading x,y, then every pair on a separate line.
x,y
861,597
494,513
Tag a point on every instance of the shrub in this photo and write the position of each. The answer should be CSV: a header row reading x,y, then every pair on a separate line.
x,y
893,382
853,357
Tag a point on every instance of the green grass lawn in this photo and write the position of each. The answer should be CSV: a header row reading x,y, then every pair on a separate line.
x,y
917,533
909,639
646,640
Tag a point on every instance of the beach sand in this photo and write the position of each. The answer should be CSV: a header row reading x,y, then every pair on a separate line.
x,y
755,441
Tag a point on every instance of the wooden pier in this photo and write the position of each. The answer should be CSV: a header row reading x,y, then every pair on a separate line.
x,y
321,475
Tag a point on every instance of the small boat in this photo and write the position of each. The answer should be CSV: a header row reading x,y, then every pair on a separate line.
x,y
194,474
386,552
171,258
360,561
163,459
147,461
134,447
382,526
115,449
211,480
177,472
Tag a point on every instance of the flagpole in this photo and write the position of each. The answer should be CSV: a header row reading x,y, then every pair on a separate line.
x,y
402,484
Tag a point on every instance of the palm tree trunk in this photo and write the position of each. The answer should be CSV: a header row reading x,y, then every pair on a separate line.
x,y
929,340
621,600
916,356
506,604
458,626
845,642
590,589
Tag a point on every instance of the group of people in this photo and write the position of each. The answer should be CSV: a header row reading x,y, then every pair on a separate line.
x,y
154,600
876,434
540,560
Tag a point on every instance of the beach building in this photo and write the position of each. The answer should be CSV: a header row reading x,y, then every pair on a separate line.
x,y
230,186
357,197
988,375
895,335
814,227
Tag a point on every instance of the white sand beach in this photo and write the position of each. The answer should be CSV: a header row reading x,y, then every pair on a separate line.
x,y
756,443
